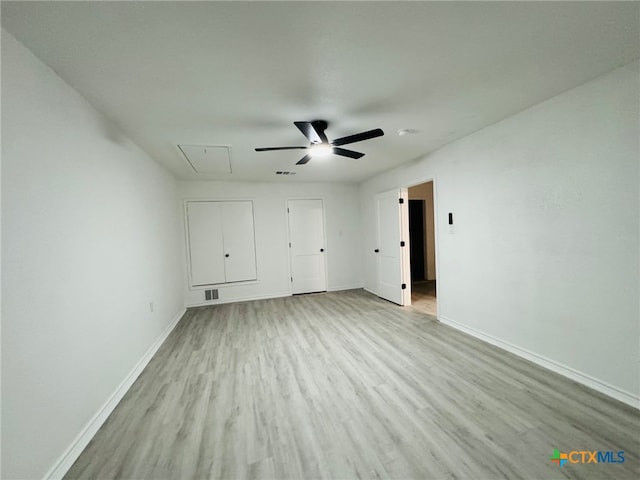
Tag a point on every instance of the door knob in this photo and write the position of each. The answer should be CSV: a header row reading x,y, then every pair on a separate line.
x,y
226,255
322,249
376,250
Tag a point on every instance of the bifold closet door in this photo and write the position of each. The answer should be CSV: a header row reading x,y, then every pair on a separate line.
x,y
206,248
238,241
221,242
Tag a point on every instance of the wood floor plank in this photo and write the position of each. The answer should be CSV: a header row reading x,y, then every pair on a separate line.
x,y
345,385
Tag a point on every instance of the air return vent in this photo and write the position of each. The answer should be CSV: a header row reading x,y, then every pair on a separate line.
x,y
208,158
211,294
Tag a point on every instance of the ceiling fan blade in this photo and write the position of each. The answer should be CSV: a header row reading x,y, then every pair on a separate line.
x,y
314,131
358,137
303,160
268,149
347,153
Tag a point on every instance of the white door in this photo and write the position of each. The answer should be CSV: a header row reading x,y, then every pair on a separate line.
x,y
205,243
221,242
238,241
391,223
306,247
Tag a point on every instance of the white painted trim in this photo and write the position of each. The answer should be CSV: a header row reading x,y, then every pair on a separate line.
x,y
241,283
238,299
209,198
583,378
290,271
266,297
436,242
405,258
73,451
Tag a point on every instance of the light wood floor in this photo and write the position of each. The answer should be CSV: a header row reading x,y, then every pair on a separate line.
x,y
423,297
344,385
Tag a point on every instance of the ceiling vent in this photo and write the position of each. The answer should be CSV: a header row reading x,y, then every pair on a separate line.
x,y
208,158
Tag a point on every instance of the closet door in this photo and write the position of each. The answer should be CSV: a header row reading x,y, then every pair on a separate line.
x,y
238,240
206,252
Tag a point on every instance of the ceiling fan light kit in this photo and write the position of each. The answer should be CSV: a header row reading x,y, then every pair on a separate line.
x,y
320,150
320,146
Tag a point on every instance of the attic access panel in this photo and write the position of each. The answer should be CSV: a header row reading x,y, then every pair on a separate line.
x,y
208,158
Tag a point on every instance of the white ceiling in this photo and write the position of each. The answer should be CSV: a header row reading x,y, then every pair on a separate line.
x,y
240,74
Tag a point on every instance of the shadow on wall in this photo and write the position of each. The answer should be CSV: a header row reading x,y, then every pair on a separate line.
x,y
112,132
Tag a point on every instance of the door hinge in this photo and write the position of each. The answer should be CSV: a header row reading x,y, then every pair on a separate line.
x,y
402,243
404,285
401,201
287,209
292,279
289,244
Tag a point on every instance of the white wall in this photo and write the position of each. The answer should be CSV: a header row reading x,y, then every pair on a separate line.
x,y
272,253
543,255
91,235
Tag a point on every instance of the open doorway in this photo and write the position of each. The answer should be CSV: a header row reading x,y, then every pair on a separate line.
x,y
422,248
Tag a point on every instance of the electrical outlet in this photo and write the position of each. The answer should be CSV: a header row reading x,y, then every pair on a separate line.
x,y
151,307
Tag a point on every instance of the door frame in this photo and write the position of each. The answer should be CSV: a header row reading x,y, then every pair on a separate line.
x,y
324,233
433,179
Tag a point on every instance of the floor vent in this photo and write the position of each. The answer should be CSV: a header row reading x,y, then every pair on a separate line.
x,y
211,294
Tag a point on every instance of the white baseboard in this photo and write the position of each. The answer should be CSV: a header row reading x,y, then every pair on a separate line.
x,y
71,454
238,299
370,291
262,297
583,378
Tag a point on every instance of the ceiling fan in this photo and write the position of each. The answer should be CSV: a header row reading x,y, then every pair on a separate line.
x,y
320,146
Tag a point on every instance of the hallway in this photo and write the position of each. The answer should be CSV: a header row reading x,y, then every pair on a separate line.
x,y
423,297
